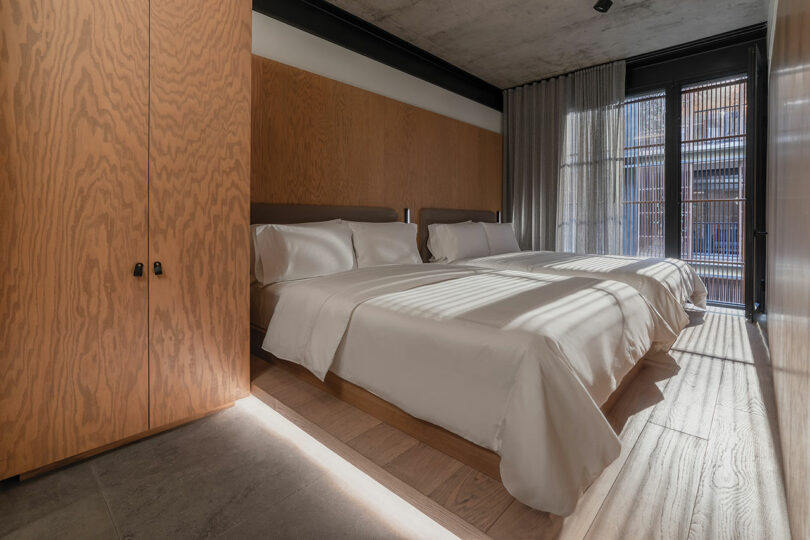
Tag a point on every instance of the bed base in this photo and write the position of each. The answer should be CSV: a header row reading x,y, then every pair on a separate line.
x,y
479,458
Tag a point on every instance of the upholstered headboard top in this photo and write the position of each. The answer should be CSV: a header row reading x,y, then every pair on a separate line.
x,y
428,216
305,213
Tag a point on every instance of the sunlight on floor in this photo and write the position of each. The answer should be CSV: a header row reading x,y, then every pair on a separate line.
x,y
401,516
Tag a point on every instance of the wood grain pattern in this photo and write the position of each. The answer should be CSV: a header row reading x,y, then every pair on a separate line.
x,y
651,497
382,443
737,497
521,522
338,418
745,387
116,444
199,160
473,496
319,141
73,155
427,506
628,417
691,395
424,467
788,266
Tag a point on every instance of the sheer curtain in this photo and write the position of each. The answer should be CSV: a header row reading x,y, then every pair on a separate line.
x,y
589,186
563,161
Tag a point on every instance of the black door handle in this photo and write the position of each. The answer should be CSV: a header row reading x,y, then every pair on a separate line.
x,y
158,268
138,272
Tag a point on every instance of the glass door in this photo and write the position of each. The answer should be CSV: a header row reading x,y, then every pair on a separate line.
x,y
712,181
644,172
684,192
695,123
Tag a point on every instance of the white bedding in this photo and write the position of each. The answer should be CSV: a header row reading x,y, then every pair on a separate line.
x,y
515,362
667,284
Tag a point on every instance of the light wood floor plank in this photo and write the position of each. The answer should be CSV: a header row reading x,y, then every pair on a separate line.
x,y
745,387
285,387
707,335
351,423
691,395
745,342
741,493
323,408
654,495
270,377
423,467
424,504
628,417
520,522
382,443
337,417
473,496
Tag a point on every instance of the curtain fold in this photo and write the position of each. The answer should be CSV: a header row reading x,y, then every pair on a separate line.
x,y
534,117
563,161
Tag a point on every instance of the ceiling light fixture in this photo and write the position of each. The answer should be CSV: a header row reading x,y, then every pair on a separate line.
x,y
602,6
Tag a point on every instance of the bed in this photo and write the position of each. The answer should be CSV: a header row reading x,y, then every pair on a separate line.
x,y
516,363
671,286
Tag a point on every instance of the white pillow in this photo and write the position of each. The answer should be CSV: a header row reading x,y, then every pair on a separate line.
x,y
501,238
287,252
449,242
376,244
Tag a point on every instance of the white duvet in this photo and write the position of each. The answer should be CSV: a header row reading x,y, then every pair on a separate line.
x,y
516,362
667,284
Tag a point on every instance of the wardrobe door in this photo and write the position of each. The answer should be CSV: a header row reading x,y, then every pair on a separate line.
x,y
73,223
199,204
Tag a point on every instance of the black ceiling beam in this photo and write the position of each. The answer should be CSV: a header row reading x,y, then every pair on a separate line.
x,y
333,24
716,56
733,38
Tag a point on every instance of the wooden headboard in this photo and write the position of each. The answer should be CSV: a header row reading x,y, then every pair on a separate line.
x,y
319,141
305,213
428,216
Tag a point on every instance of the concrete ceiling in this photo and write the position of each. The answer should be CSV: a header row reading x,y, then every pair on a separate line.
x,y
511,42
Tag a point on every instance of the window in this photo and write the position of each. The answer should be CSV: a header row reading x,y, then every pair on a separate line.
x,y
712,182
643,190
713,154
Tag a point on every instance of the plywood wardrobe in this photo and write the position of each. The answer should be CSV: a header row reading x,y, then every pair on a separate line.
x,y
124,139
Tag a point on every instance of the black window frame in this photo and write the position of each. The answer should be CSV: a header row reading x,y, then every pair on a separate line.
x,y
741,52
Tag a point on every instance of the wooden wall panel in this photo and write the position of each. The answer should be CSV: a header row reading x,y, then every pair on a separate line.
x,y
199,201
73,159
788,273
319,141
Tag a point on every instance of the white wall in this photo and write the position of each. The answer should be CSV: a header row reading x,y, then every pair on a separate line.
x,y
283,43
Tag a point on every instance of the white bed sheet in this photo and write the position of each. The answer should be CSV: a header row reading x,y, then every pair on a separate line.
x,y
667,284
515,362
